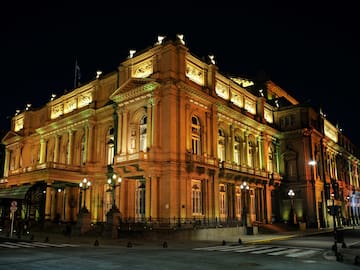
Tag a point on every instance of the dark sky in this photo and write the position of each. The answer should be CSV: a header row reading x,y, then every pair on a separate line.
x,y
311,51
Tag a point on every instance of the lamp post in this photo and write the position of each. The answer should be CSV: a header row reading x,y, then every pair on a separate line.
x,y
333,212
114,181
292,216
244,186
113,216
84,185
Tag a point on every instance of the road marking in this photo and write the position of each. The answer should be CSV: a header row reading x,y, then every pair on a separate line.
x,y
302,253
267,250
7,246
293,252
34,244
286,251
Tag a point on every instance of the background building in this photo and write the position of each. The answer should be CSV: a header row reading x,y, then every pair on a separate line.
x,y
168,141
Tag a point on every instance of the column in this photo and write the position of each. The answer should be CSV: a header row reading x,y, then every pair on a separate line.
x,y
124,132
71,147
149,131
261,152
7,163
42,150
56,149
119,131
230,147
246,135
90,142
48,203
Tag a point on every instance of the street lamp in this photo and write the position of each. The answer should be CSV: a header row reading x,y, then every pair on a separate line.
x,y
292,216
333,212
244,186
84,185
114,181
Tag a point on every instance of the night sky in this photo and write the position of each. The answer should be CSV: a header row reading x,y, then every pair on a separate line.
x,y
310,51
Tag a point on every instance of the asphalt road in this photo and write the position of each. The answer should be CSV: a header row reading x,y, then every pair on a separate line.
x,y
311,252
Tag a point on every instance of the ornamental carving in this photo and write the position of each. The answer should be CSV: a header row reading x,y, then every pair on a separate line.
x,y
143,70
222,90
194,73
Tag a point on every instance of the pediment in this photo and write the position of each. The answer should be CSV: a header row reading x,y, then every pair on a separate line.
x,y
132,84
10,137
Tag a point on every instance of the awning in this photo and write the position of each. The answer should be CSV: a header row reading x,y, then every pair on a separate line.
x,y
18,192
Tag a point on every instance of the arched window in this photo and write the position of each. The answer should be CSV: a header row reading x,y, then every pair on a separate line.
x,y
143,127
195,136
237,149
221,145
110,144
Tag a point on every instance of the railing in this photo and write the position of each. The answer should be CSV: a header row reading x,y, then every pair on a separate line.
x,y
176,223
46,165
189,157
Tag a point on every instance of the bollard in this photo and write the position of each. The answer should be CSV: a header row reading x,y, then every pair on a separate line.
x,y
32,237
165,245
240,241
357,260
223,242
96,243
129,244
46,239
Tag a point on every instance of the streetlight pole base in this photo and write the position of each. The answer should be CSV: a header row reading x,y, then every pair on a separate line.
x,y
83,223
112,222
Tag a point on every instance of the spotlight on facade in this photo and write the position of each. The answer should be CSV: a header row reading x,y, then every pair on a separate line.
x,y
53,96
27,107
131,53
17,112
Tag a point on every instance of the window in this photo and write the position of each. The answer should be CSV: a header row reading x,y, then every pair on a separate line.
x,y
237,150
222,201
221,145
195,136
196,197
251,153
143,127
140,201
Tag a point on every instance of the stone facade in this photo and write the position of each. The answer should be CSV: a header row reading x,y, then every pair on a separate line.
x,y
168,141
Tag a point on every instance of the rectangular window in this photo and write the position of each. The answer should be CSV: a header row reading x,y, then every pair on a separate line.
x,y
196,197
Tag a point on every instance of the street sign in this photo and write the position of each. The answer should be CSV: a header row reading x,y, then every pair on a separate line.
x,y
13,209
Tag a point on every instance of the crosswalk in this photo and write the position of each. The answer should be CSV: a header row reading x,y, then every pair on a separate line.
x,y
293,252
33,245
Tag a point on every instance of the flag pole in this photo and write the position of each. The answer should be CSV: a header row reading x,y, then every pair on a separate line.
x,y
75,70
76,75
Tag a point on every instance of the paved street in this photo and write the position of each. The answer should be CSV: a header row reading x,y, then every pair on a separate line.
x,y
292,249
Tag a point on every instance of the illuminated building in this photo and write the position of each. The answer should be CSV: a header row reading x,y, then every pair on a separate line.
x,y
184,140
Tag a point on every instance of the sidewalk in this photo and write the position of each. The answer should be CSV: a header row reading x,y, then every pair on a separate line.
x,y
91,240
